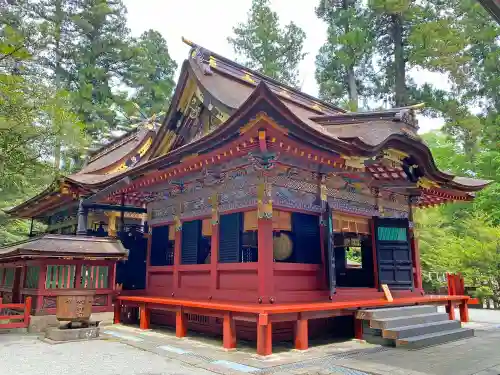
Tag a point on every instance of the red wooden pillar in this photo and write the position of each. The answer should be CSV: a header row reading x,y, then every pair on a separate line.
x,y
78,275
415,252
144,317
301,334
117,312
265,259
464,312
264,335
180,323
27,311
148,257
450,309
228,332
214,259
177,258
358,329
374,254
42,276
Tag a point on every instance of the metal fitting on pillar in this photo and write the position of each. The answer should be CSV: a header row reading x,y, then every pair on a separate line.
x,y
83,212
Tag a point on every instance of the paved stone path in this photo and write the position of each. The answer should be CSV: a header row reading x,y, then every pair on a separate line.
x,y
130,351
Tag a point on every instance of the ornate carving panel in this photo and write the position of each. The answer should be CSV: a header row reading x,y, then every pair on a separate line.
x,y
303,200
49,303
100,300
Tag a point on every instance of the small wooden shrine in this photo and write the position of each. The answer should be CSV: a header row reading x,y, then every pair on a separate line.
x,y
50,265
269,211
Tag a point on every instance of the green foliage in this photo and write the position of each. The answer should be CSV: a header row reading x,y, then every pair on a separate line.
x,y
343,65
66,69
151,73
268,48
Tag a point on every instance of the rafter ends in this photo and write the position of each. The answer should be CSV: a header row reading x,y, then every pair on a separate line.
x,y
189,157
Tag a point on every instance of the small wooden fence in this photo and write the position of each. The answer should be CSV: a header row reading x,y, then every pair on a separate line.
x,y
10,316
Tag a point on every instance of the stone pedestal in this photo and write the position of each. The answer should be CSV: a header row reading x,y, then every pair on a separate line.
x,y
75,334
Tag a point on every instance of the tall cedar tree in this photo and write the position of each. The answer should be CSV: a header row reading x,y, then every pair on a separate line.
x,y
344,61
268,48
101,58
150,73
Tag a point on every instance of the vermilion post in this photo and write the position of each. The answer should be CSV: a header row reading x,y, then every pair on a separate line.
x,y
228,332
144,317
117,311
464,311
450,309
148,258
214,258
374,252
41,285
265,259
301,335
177,258
358,329
180,323
27,311
264,339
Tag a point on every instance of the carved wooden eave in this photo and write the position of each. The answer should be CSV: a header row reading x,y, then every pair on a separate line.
x,y
285,132
493,7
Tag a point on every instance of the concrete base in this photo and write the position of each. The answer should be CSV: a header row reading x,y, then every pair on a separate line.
x,y
41,323
57,334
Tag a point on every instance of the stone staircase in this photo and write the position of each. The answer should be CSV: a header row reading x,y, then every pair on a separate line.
x,y
411,327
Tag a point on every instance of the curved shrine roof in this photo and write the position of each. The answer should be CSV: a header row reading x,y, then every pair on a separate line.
x,y
52,245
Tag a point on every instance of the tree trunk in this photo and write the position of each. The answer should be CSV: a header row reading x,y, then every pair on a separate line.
x,y
351,78
399,61
57,36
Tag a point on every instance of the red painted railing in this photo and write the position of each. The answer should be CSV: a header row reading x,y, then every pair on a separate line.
x,y
20,320
456,287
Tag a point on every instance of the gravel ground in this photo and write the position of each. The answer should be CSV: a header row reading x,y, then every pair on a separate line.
x,y
26,355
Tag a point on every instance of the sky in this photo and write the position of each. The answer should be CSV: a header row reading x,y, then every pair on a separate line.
x,y
209,23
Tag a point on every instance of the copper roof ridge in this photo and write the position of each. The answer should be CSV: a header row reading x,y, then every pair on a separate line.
x,y
382,112
265,78
106,149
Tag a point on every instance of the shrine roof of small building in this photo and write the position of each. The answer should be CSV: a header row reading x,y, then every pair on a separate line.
x,y
104,167
62,246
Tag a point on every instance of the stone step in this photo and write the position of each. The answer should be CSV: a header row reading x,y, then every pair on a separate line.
x,y
378,340
393,312
435,338
420,329
404,321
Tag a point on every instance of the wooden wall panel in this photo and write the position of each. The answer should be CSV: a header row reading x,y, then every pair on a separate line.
x,y
160,284
195,279
296,280
238,279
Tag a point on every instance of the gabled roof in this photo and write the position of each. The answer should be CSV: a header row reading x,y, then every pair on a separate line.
x,y
104,166
242,93
294,128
